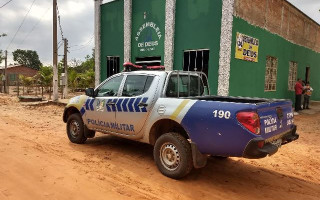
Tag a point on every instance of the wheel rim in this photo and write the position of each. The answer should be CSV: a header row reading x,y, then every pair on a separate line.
x,y
74,128
169,156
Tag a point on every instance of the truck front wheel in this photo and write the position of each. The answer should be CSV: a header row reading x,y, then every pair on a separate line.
x,y
173,156
75,129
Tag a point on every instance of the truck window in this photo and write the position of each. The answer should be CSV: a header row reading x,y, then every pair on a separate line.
x,y
183,86
111,87
136,85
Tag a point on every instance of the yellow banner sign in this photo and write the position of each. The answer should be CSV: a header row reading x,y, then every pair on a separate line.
x,y
247,48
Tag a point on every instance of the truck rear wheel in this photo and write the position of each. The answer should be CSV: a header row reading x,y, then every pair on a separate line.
x,y
75,129
173,156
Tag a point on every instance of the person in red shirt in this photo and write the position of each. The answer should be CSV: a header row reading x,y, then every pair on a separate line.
x,y
298,90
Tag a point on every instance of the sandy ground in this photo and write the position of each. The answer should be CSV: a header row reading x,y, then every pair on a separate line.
x,y
37,161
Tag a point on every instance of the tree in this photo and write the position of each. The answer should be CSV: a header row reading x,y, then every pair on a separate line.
x,y
1,57
45,75
28,58
26,82
81,74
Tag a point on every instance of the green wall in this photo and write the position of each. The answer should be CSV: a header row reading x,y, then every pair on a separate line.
x,y
144,11
111,34
198,26
247,78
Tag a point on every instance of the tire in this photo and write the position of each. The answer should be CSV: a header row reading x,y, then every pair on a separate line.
x,y
173,156
75,129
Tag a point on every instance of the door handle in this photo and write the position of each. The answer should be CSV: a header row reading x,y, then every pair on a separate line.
x,y
141,104
111,103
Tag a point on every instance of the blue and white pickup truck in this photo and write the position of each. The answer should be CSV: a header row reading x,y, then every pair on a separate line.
x,y
173,111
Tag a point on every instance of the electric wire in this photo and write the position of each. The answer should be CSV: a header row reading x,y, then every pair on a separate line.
x,y
21,25
60,27
5,4
36,24
83,45
60,45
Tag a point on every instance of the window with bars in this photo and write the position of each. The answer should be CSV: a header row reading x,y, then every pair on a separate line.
x,y
270,83
196,60
113,66
293,66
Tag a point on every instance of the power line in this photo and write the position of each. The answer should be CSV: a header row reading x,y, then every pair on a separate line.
x,y
60,27
83,45
60,45
5,4
40,19
20,25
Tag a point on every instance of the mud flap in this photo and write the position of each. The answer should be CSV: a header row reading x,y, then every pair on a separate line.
x,y
199,159
88,133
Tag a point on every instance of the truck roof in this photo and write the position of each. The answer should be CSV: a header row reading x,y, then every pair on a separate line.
x,y
157,73
154,72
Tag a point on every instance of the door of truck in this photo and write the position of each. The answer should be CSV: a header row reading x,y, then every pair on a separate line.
x,y
135,102
101,110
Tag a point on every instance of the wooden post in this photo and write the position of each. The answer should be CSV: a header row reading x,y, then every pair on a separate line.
x,y
5,82
55,54
49,92
18,83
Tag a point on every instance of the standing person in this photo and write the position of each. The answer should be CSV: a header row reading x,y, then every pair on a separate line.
x,y
302,95
298,90
308,91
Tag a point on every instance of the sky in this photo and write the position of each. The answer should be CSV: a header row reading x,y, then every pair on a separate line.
x,y
309,7
77,22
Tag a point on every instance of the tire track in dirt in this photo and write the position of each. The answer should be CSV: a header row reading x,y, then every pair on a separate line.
x,y
38,162
124,181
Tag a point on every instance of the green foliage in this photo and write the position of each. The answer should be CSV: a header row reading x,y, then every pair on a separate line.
x,y
84,80
45,75
82,75
28,58
86,65
1,56
26,81
79,77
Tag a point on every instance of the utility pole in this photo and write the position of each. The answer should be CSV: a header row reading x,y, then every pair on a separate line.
x,y
55,53
65,88
5,82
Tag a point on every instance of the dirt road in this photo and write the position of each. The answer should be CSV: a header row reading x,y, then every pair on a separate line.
x,y
37,161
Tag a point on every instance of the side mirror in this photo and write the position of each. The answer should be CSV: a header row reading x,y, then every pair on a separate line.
x,y
90,92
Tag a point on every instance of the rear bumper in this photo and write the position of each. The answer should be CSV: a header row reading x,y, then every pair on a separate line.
x,y
253,151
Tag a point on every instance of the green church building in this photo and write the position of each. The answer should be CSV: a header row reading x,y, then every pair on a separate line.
x,y
252,48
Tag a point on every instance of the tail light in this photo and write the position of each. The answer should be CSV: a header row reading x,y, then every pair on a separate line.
x,y
250,120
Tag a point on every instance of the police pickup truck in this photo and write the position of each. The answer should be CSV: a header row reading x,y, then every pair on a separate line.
x,y
173,111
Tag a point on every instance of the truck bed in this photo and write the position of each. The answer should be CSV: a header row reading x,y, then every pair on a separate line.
x,y
251,100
